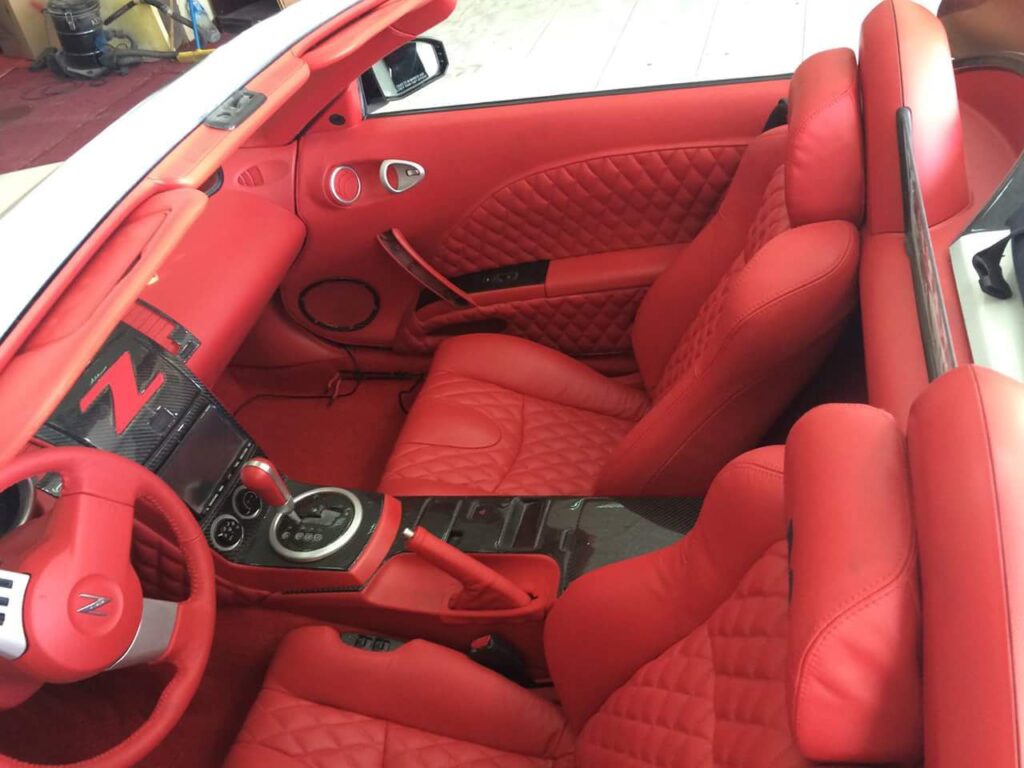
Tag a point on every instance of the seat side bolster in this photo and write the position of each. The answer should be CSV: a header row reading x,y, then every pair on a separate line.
x,y
613,620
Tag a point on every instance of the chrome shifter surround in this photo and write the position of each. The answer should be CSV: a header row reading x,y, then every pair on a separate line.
x,y
328,549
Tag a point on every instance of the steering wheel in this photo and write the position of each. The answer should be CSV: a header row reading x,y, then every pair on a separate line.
x,y
74,604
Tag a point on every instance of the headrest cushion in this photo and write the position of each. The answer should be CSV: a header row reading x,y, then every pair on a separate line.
x,y
825,154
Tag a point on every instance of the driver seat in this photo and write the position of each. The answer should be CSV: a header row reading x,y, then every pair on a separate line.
x,y
784,630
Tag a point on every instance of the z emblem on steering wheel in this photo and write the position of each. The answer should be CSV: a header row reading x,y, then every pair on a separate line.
x,y
93,606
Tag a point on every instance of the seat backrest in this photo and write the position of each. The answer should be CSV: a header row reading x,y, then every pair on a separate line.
x,y
728,334
735,647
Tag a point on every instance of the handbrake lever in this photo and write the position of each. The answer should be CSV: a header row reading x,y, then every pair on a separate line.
x,y
483,587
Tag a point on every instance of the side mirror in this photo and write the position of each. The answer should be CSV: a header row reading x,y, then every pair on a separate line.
x,y
413,66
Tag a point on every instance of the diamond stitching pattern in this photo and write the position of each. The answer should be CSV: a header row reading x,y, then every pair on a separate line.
x,y
597,205
543,444
715,698
318,736
592,323
771,220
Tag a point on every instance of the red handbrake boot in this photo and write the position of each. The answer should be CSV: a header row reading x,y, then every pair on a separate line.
x,y
484,589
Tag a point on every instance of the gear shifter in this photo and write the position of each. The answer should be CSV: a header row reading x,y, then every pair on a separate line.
x,y
262,478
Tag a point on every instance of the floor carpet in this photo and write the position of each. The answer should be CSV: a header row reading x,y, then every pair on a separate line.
x,y
343,442
45,118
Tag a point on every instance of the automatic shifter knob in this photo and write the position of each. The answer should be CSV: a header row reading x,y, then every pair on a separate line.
x,y
262,478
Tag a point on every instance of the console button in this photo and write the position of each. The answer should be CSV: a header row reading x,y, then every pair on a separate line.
x,y
246,502
226,533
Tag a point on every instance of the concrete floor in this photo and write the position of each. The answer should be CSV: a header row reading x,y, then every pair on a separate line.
x,y
509,49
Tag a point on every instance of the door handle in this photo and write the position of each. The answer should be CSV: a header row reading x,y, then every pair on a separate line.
x,y
398,176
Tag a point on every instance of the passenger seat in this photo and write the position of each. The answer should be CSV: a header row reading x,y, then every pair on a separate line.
x,y
724,339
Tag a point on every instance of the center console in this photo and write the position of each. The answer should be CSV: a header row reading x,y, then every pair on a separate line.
x,y
343,554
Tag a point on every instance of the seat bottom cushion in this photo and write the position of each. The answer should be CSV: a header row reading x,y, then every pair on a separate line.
x,y
284,731
327,704
500,415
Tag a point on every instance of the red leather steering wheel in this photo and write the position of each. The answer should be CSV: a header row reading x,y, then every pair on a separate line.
x,y
74,604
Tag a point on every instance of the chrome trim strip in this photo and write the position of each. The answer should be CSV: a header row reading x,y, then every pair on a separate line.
x,y
1008,60
326,551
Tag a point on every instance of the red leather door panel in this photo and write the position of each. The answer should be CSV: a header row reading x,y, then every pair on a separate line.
x,y
607,189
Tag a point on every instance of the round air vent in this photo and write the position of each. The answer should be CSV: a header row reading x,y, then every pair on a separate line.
x,y
340,303
344,185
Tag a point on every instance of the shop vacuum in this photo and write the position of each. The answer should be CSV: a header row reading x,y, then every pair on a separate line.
x,y
88,51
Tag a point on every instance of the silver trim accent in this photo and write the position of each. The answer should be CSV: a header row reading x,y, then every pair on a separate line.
x,y
405,181
156,627
333,192
13,642
1011,61
326,551
213,538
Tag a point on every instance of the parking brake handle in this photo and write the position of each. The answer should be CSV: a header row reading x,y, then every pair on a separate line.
x,y
484,589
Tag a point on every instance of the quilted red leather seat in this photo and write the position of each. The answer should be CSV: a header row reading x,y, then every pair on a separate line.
x,y
724,338
729,648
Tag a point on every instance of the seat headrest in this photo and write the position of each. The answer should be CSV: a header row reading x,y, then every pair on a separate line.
x,y
905,61
854,673
825,155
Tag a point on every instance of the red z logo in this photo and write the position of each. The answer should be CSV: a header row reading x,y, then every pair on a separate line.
x,y
125,398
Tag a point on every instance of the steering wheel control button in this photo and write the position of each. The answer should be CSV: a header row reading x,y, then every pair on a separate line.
x,y
246,502
318,524
344,185
13,586
226,533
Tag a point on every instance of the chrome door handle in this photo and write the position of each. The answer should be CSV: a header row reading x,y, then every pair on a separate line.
x,y
398,176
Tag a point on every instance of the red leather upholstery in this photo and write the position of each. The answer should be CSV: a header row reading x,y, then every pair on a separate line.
x,y
678,657
855,624
966,444
721,348
825,154
645,199
419,705
507,416
905,61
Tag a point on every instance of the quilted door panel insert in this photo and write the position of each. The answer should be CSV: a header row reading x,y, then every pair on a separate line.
x,y
602,204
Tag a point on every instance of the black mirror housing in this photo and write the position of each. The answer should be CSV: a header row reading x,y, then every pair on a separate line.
x,y
406,70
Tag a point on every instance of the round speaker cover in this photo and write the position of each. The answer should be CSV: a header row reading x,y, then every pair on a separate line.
x,y
340,303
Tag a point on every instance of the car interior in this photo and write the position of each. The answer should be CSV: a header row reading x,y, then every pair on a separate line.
x,y
650,427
